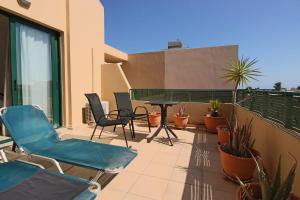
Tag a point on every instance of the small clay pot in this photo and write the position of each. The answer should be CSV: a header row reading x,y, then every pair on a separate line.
x,y
211,122
181,121
223,134
154,118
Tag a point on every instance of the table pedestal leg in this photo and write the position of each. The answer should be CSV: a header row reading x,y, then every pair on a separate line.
x,y
172,132
163,124
166,129
154,135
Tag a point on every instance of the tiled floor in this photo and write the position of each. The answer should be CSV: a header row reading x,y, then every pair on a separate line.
x,y
189,170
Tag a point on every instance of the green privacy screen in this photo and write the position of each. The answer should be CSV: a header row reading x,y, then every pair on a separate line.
x,y
281,107
181,95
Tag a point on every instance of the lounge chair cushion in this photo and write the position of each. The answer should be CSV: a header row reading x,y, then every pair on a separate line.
x,y
31,130
23,181
88,154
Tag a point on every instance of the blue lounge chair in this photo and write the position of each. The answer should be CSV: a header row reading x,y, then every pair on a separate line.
x,y
32,132
24,180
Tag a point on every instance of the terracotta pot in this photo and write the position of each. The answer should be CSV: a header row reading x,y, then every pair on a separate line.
x,y
211,123
154,119
255,187
223,134
237,166
294,197
181,122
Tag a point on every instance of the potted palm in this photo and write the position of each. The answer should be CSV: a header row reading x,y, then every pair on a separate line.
x,y
268,188
181,119
235,155
214,119
240,72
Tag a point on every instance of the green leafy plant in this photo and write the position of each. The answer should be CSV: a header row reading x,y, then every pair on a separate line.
x,y
240,139
214,107
240,72
270,189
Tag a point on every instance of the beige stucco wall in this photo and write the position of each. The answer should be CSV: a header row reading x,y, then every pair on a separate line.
x,y
272,141
86,52
81,27
113,80
145,70
199,68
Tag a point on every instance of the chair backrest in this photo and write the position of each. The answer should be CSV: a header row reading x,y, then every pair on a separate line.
x,y
29,127
96,106
123,102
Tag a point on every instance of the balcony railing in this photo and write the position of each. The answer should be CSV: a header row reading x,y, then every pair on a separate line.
x,y
181,95
281,107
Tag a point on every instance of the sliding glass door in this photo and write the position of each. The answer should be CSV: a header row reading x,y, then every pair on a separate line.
x,y
35,68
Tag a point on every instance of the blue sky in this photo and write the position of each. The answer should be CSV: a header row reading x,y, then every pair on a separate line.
x,y
268,30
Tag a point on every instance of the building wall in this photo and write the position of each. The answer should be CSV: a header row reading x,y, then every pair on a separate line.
x,y
145,70
81,26
272,141
199,68
86,52
113,80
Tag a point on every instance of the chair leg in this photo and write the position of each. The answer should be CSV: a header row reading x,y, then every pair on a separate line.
x,y
149,124
130,129
115,128
125,136
94,132
132,125
101,131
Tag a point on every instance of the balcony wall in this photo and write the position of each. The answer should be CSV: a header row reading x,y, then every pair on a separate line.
x,y
272,141
180,68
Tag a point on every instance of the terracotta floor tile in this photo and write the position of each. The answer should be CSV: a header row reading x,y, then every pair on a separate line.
x,y
110,194
149,187
177,191
158,170
165,159
124,181
134,197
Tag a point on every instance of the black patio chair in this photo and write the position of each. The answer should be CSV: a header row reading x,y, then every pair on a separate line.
x,y
125,109
101,118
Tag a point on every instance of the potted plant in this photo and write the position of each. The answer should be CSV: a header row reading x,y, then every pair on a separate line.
x,y
268,188
214,119
223,134
239,73
181,119
235,156
154,118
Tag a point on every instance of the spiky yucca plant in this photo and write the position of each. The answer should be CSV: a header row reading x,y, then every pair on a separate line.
x,y
240,139
240,72
271,189
214,107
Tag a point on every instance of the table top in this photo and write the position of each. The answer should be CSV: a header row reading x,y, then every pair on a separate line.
x,y
161,102
5,141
